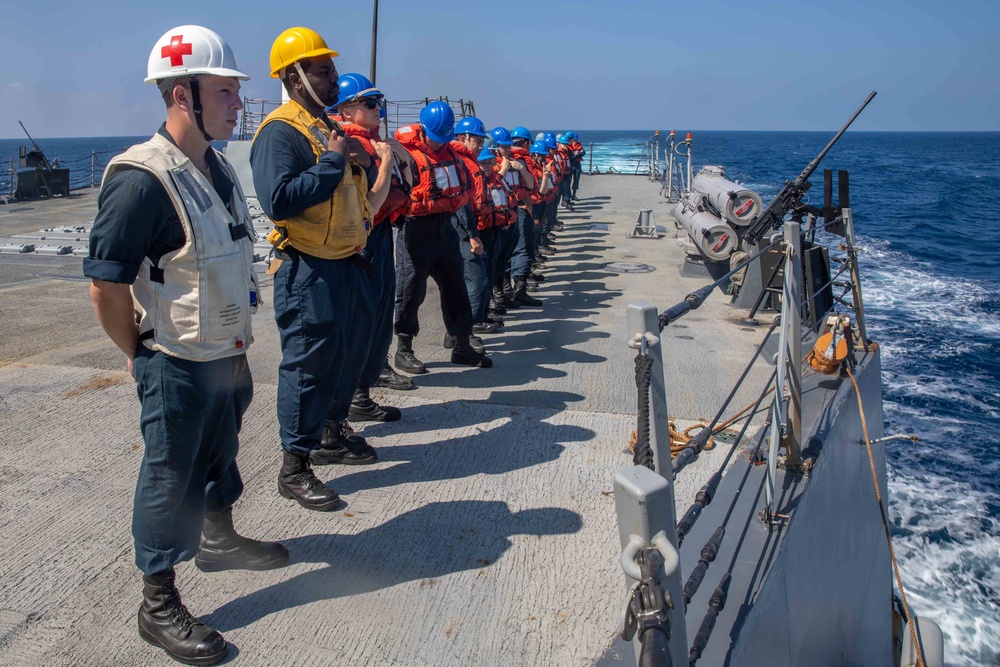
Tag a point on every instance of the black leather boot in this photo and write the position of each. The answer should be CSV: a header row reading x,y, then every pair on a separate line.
x,y
405,360
364,409
390,379
297,482
474,341
521,294
165,622
465,355
342,445
223,549
504,294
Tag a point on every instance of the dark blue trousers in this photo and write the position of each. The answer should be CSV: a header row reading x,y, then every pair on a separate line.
x,y
479,273
429,246
504,245
324,313
577,170
379,252
524,250
190,418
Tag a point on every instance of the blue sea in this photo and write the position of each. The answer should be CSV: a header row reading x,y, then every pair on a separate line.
x,y
927,209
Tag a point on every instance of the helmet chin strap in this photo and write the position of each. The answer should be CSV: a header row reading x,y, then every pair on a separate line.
x,y
196,107
309,88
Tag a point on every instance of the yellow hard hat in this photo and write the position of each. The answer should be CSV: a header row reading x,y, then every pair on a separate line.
x,y
297,44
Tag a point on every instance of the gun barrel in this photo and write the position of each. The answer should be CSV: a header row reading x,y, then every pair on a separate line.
x,y
811,167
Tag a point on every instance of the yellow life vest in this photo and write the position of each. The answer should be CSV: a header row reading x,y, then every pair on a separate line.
x,y
335,228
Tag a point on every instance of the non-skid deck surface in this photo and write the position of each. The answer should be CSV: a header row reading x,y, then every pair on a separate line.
x,y
485,535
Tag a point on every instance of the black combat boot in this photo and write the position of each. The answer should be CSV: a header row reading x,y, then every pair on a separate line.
x,y
364,409
521,294
496,304
165,622
297,482
341,445
390,379
223,549
465,355
489,326
475,341
405,360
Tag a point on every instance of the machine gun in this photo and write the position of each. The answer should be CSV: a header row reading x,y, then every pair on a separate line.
x,y
790,197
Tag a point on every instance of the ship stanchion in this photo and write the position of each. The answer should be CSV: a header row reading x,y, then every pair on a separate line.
x,y
644,498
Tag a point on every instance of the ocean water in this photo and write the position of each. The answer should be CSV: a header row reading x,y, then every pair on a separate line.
x,y
927,211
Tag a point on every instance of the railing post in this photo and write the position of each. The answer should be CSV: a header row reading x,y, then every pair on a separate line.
x,y
93,169
644,499
852,256
590,169
643,326
786,428
792,316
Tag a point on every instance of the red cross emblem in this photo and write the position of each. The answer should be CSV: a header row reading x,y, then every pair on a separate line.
x,y
176,50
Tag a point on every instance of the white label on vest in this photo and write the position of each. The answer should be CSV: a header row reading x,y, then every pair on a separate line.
x,y
446,177
499,198
512,177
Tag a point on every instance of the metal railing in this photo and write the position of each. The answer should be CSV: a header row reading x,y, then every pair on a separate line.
x,y
397,113
644,493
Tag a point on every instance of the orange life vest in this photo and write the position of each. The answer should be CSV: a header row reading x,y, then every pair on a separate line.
x,y
537,198
576,151
398,201
443,182
524,193
501,203
477,195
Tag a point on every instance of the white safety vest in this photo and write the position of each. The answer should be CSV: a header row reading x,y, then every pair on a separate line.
x,y
194,303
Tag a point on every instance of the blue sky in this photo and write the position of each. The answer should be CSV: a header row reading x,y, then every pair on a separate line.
x,y
77,69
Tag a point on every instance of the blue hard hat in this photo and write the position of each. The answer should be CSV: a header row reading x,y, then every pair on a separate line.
x,y
354,86
572,135
471,125
562,139
550,140
521,132
539,148
502,136
438,121
486,154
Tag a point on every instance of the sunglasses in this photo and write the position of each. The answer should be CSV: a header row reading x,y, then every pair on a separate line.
x,y
371,103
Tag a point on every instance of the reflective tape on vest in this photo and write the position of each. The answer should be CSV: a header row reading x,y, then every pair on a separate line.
x,y
446,177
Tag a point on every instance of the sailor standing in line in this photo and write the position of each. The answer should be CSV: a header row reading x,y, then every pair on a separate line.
x,y
313,183
429,241
470,134
577,151
173,224
359,111
523,258
519,180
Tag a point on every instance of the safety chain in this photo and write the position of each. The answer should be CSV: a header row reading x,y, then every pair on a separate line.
x,y
647,611
643,453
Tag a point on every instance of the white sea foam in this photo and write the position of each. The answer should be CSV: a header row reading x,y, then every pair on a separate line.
x,y
949,551
895,283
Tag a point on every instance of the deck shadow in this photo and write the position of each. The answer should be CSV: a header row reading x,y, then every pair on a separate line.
x,y
424,544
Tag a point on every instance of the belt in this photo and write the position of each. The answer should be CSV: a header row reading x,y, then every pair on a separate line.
x,y
291,253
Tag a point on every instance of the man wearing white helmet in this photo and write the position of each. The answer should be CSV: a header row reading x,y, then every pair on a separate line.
x,y
193,303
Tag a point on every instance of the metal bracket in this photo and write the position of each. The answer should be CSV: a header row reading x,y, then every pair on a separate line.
x,y
639,341
660,542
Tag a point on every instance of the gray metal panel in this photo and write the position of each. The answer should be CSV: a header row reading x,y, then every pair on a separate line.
x,y
238,154
830,587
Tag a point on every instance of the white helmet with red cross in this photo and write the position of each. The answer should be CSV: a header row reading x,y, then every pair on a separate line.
x,y
190,50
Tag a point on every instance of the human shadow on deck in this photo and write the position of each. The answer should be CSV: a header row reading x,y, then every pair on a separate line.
x,y
515,443
461,413
423,545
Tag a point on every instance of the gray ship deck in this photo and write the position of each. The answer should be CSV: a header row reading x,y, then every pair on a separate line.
x,y
485,535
